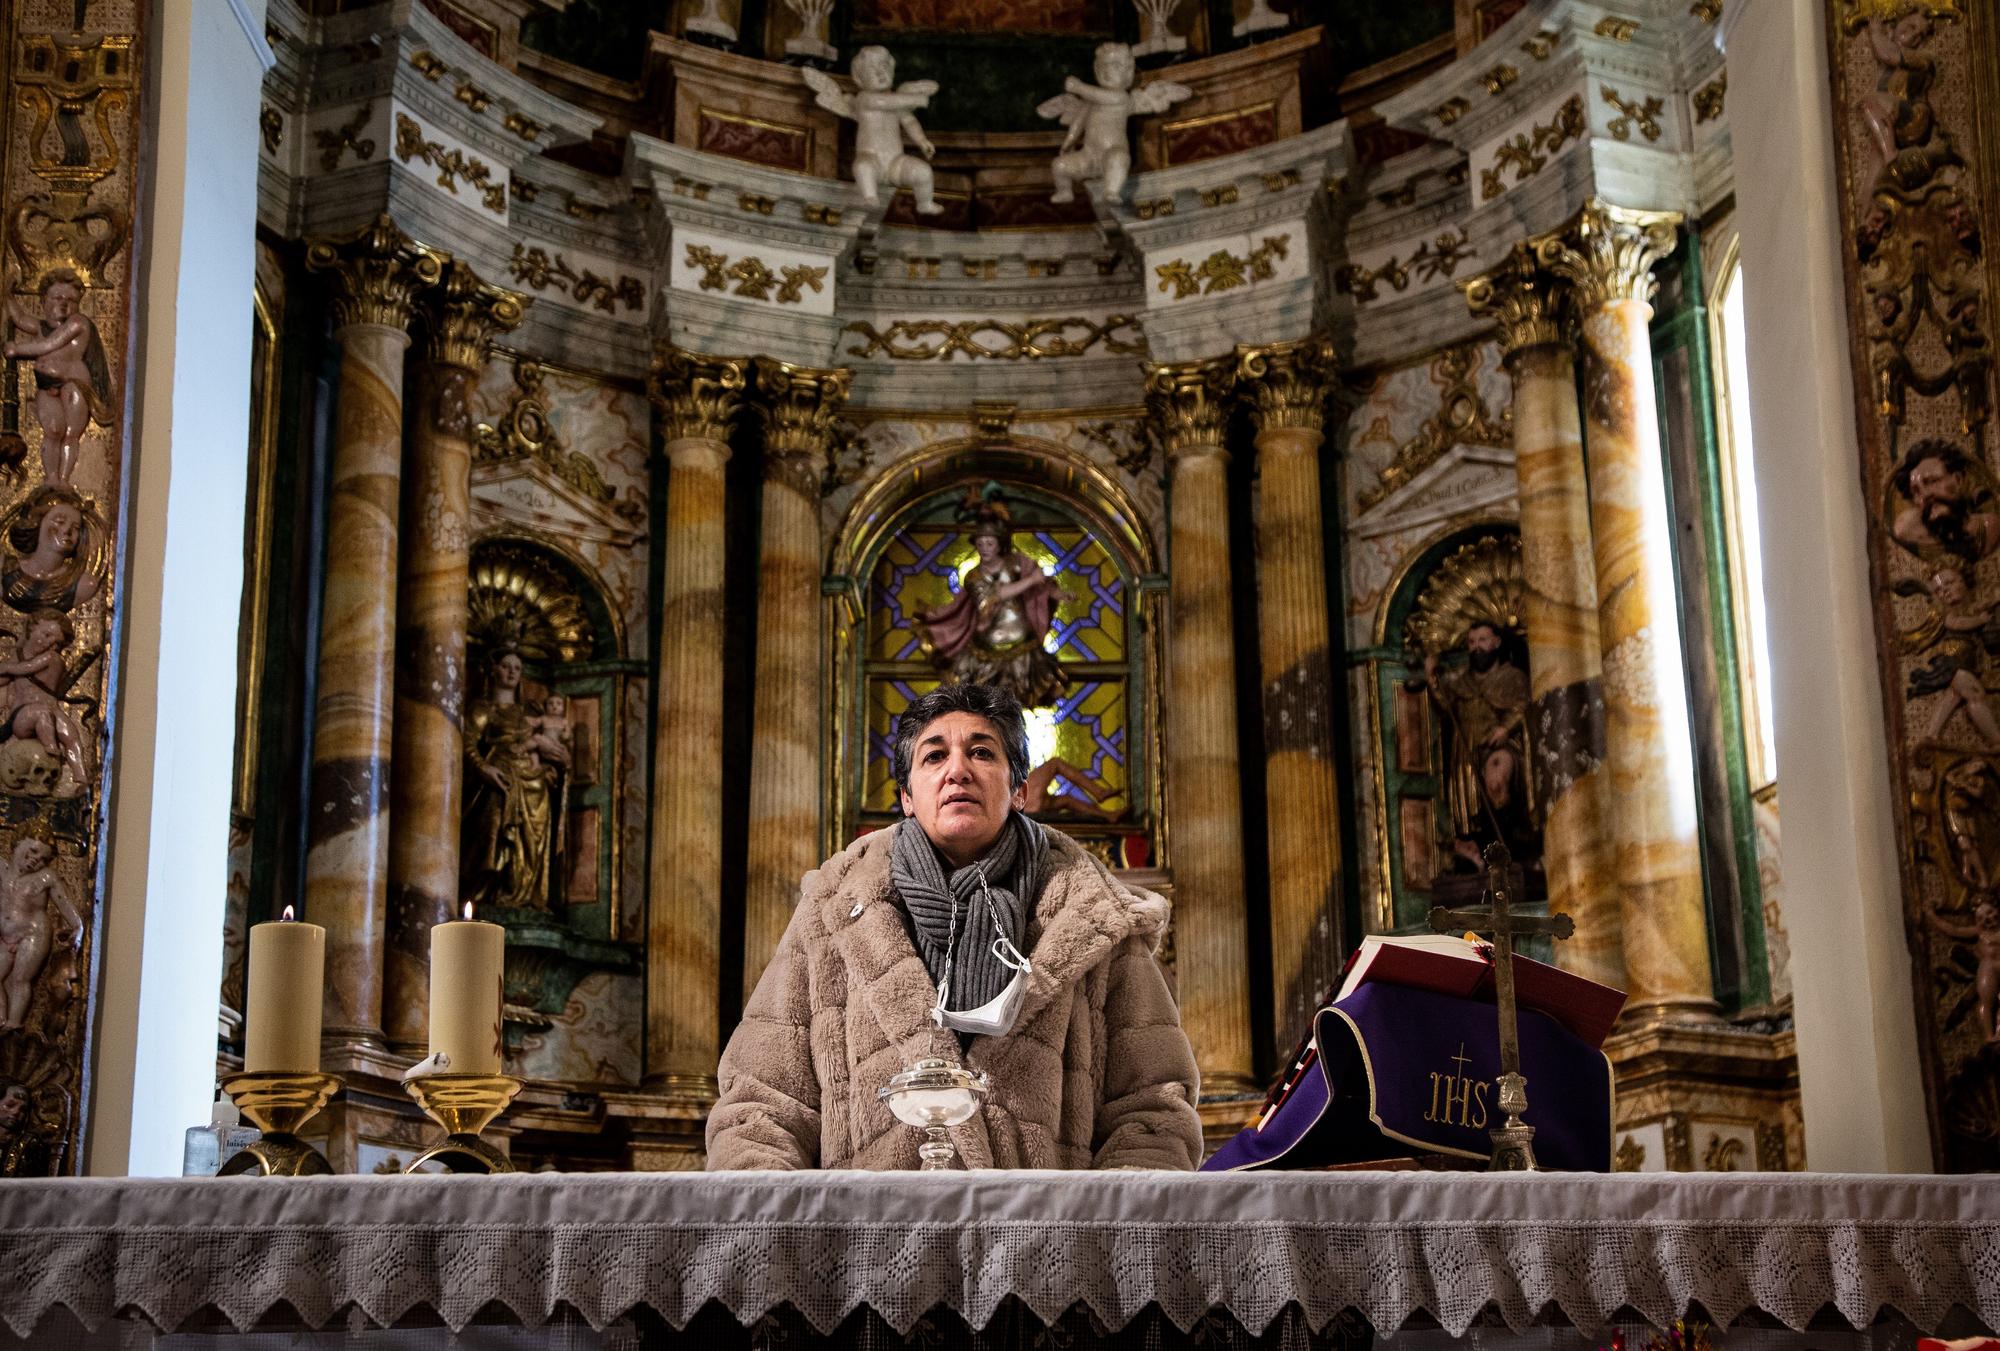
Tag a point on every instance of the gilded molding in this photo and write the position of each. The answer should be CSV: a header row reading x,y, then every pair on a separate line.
x,y
452,165
753,277
1607,253
1039,340
697,395
1223,270
335,143
1524,303
798,406
1286,383
1645,115
537,267
1528,153
464,314
1189,404
1433,259
1709,98
377,272
1461,419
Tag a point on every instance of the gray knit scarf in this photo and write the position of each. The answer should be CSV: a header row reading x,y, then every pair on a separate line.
x,y
1014,868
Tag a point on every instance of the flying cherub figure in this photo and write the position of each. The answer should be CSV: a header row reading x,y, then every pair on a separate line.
x,y
883,119
72,377
1096,115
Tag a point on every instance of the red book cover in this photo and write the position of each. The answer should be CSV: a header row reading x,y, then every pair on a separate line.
x,y
1451,965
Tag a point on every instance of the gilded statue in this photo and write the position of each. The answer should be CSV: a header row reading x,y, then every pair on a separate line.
x,y
1096,116
994,632
1484,706
72,376
516,775
29,891
885,116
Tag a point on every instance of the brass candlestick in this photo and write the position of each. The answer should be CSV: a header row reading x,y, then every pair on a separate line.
x,y
278,1102
465,1105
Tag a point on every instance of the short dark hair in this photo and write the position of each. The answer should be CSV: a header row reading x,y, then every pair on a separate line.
x,y
990,702
1954,460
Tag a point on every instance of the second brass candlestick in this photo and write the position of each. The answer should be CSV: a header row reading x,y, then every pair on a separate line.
x,y
465,1105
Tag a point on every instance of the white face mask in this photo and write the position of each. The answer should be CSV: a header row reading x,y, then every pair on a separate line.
x,y
994,1018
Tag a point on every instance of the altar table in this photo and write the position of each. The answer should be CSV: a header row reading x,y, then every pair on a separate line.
x,y
1413,1260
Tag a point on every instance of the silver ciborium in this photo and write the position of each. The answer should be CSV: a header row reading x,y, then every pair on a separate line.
x,y
933,1095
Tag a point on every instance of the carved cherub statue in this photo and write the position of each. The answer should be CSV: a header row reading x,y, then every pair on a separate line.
x,y
1984,935
884,118
1096,115
29,889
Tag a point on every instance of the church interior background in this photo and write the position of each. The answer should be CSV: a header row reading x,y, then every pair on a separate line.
x,y
608,469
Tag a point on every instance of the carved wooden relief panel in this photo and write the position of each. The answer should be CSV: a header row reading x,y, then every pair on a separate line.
x,y
1908,79
67,180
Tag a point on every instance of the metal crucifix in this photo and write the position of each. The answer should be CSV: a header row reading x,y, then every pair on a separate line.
x,y
1513,1139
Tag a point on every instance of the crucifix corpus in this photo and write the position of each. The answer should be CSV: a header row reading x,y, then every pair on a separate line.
x,y
1513,1139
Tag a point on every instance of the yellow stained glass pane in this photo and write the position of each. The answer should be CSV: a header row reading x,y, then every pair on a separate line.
x,y
887,698
1083,750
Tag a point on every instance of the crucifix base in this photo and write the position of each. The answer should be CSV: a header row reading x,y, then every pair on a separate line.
x,y
1513,1148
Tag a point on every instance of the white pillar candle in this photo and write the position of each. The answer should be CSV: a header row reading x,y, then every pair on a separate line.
x,y
467,962
281,1022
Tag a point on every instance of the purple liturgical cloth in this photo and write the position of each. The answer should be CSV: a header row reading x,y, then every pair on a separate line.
x,y
1402,1071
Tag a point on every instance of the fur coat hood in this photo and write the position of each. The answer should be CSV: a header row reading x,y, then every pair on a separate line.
x,y
1096,1071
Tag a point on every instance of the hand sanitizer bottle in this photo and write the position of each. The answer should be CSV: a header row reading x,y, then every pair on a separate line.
x,y
208,1146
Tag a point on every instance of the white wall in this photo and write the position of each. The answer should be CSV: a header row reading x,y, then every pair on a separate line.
x,y
1862,1090
162,959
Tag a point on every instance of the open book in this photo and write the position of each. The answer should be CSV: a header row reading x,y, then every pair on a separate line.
x,y
1448,964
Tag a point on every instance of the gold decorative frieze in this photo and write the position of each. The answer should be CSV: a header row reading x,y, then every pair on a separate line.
x,y
1435,258
753,277
756,203
1154,206
1616,28
1708,99
1460,419
1189,404
377,273
1042,339
1222,270
580,208
1708,11
1499,78
527,128
1646,115
472,96
688,187
536,267
819,213
452,165
1279,181
68,84
1451,110
1223,196
1528,153
427,65
335,142
1542,44
696,395
271,128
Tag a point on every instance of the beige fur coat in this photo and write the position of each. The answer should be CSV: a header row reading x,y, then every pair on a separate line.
x,y
1096,1072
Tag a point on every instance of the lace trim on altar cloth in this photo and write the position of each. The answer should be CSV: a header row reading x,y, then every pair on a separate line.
x,y
1399,1250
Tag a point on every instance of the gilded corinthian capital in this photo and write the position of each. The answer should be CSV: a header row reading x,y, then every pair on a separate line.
x,y
376,271
1189,403
463,315
1525,303
697,395
798,405
1286,383
1607,253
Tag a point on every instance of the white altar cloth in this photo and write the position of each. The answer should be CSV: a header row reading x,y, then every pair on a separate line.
x,y
1582,1249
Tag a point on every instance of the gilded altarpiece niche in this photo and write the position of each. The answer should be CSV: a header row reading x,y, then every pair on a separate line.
x,y
67,174
1909,82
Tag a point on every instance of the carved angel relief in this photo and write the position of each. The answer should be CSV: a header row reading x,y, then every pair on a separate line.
x,y
884,118
1096,116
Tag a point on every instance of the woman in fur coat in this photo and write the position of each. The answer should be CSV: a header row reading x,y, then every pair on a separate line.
x,y
966,932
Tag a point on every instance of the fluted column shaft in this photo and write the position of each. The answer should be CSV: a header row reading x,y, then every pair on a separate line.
x,y
375,276
427,788
1286,388
1607,257
1211,951
797,408
1559,610
697,397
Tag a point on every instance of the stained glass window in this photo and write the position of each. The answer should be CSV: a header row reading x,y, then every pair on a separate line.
x,y
1085,740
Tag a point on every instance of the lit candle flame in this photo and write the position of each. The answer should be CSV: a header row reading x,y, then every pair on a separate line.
x,y
288,916
468,910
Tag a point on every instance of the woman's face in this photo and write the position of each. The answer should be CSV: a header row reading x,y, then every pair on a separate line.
x,y
988,547
507,672
60,528
960,786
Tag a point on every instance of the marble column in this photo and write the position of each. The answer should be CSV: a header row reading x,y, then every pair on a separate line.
x,y
376,275
696,398
1189,404
1606,257
460,318
1285,386
1559,610
797,407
